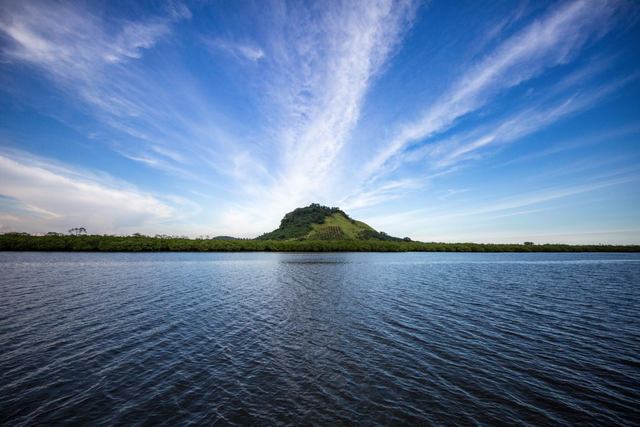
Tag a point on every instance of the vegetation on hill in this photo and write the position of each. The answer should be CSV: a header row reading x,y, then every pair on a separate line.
x,y
299,223
317,222
336,227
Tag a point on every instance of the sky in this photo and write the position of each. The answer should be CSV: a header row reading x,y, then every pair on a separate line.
x,y
496,121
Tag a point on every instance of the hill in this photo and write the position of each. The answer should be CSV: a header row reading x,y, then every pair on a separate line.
x,y
317,222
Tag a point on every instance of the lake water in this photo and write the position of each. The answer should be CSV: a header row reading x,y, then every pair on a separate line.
x,y
324,339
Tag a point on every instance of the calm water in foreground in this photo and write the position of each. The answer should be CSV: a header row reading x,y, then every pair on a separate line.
x,y
325,339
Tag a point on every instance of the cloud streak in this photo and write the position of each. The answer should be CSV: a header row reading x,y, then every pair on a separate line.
x,y
327,75
72,44
463,146
239,50
99,63
432,218
547,42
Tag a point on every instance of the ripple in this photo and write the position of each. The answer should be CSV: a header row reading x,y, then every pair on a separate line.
x,y
321,339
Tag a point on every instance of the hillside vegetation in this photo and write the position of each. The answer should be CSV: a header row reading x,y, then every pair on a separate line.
x,y
317,222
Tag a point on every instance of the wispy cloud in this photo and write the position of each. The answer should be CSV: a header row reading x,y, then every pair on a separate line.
x,y
390,190
99,64
453,192
239,50
74,45
465,145
534,198
430,220
323,78
575,144
547,42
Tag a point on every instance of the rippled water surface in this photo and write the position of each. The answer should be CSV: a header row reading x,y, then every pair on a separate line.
x,y
324,339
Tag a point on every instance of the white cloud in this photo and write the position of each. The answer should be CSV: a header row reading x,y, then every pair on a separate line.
x,y
56,198
322,67
552,40
97,61
429,219
453,192
464,146
246,51
390,190
576,143
71,43
91,58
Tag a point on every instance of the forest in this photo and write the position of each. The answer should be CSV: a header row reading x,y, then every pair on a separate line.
x,y
140,243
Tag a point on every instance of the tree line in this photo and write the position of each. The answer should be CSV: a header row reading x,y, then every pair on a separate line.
x,y
140,243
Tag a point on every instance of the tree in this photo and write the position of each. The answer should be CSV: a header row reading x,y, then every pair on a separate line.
x,y
77,231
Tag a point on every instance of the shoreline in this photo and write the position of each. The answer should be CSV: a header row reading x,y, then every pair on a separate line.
x,y
95,243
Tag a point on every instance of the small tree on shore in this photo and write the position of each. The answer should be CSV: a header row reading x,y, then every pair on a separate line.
x,y
78,231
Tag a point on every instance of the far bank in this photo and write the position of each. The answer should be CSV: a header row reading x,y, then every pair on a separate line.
x,y
97,243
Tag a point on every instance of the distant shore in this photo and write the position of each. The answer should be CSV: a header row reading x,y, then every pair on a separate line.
x,y
96,243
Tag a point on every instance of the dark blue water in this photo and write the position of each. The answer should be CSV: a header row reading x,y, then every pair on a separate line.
x,y
323,339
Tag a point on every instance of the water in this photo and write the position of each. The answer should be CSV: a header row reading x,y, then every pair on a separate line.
x,y
324,339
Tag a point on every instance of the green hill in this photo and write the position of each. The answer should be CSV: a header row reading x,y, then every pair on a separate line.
x,y
316,222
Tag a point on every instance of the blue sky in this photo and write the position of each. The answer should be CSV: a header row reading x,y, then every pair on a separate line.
x,y
442,121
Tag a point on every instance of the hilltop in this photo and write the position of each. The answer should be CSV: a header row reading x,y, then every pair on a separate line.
x,y
317,222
